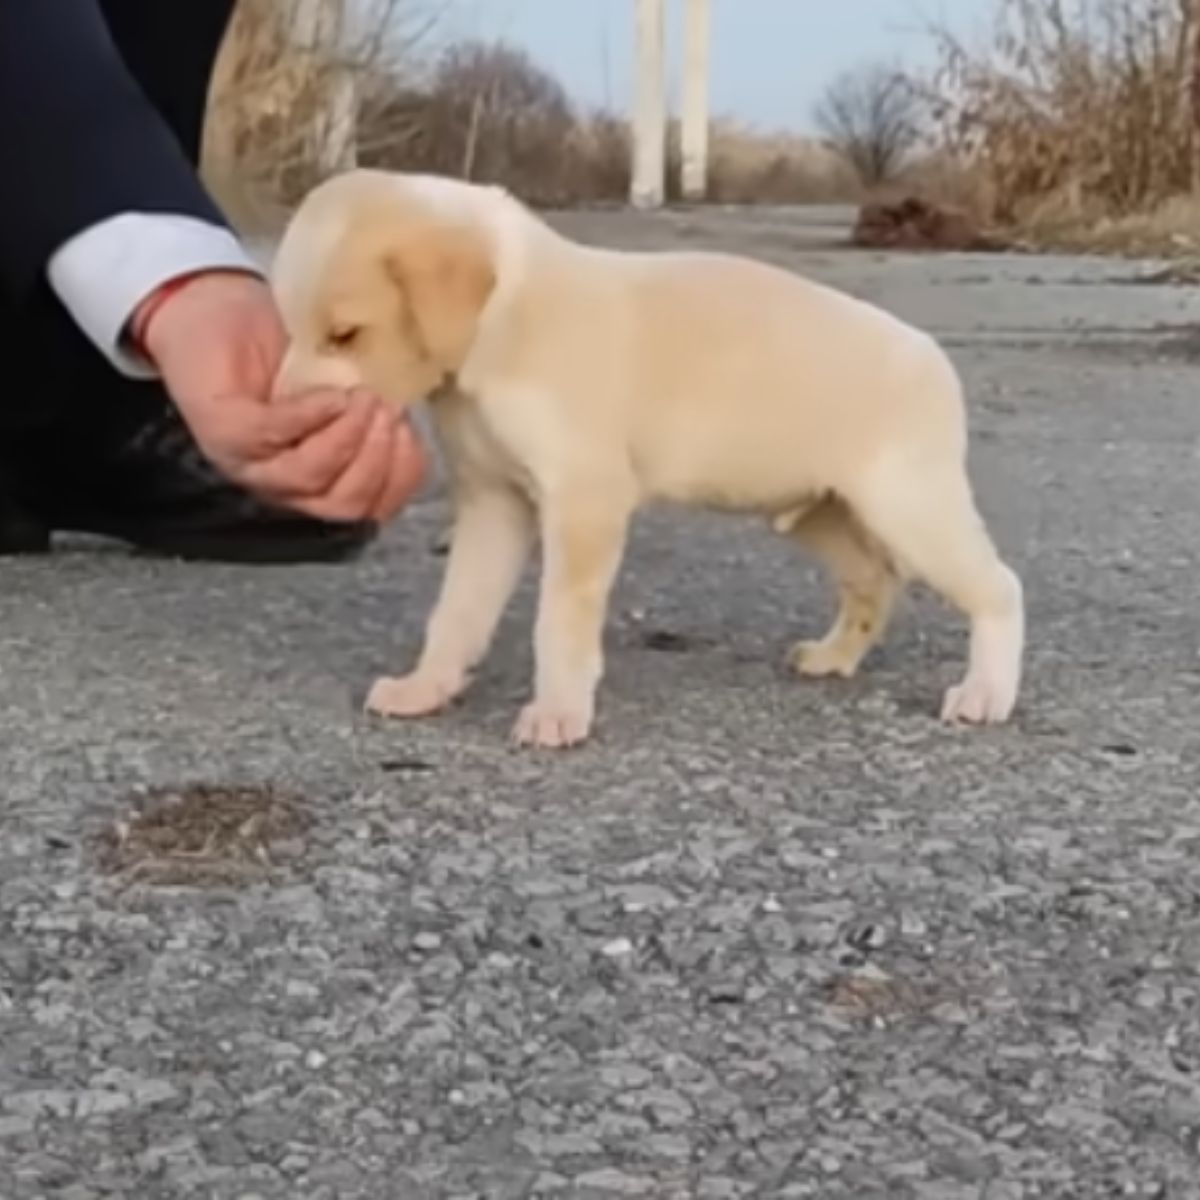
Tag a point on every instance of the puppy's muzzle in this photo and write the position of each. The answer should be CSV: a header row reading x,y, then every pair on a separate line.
x,y
301,373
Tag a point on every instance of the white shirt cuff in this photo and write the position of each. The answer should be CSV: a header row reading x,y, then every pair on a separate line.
x,y
102,274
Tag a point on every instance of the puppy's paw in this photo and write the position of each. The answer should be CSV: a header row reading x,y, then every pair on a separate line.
x,y
552,726
979,700
414,695
817,659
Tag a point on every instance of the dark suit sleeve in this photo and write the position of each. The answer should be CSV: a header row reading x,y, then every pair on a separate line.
x,y
79,141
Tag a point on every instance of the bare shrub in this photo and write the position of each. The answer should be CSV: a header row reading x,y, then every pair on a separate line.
x,y
870,115
751,167
602,157
487,112
1075,113
286,91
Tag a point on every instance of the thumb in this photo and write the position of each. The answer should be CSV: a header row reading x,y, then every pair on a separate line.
x,y
286,422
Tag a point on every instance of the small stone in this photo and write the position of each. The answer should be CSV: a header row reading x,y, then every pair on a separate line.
x,y
643,897
624,1076
152,1091
15,1126
771,905
954,1014
868,937
315,1060
716,1188
669,1145
96,1102
618,948
180,1149
558,1145
873,973
56,1103
611,1180
427,941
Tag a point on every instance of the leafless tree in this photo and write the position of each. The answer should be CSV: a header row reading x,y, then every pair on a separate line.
x,y
869,115
484,111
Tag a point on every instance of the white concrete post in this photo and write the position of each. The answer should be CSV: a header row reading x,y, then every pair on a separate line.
x,y
694,119
648,184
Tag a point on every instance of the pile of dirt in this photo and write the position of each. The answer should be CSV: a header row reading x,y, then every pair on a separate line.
x,y
916,224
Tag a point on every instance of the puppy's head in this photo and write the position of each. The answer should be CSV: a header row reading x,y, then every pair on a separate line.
x,y
381,280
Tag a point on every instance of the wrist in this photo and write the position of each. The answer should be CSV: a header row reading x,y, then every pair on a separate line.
x,y
138,329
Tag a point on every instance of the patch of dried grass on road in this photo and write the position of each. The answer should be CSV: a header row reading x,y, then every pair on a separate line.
x,y
204,836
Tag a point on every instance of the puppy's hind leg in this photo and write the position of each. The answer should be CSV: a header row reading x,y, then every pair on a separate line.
x,y
924,513
867,588
489,545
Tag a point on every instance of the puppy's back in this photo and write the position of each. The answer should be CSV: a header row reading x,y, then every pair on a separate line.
x,y
739,370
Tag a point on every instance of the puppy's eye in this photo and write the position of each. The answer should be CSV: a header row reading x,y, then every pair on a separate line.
x,y
343,339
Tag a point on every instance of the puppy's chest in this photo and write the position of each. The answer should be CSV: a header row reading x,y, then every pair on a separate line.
x,y
473,448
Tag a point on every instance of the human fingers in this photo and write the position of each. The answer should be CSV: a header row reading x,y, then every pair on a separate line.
x,y
285,424
356,494
307,469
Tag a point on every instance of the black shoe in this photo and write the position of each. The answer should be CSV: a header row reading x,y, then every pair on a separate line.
x,y
156,492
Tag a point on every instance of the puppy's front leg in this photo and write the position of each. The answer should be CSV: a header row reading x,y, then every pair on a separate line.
x,y
490,543
583,539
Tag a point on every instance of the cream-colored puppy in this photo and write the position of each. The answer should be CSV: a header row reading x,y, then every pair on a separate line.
x,y
569,385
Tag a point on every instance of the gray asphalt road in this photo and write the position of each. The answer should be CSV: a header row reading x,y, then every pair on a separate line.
x,y
761,938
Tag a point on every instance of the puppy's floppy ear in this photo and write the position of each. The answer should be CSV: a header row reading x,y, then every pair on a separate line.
x,y
447,275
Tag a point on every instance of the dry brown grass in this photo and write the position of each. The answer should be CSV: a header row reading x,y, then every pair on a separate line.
x,y
1167,229
482,111
203,836
1078,124
287,90
749,166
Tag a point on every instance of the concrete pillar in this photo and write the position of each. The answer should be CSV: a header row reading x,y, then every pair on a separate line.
x,y
694,118
648,185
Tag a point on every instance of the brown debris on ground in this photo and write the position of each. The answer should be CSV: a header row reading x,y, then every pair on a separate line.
x,y
916,224
876,996
203,836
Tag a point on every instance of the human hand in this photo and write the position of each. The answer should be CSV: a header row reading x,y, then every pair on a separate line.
x,y
217,342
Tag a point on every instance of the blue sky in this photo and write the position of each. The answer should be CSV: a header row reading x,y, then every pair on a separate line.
x,y
771,58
